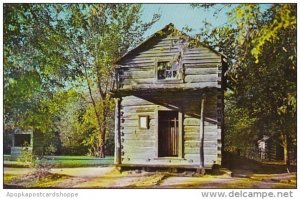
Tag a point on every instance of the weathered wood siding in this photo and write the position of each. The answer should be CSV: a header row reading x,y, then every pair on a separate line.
x,y
139,146
199,65
201,73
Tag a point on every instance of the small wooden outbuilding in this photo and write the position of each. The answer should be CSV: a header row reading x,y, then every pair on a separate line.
x,y
169,103
270,149
21,140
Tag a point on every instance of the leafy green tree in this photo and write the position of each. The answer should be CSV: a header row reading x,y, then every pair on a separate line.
x,y
239,127
70,126
49,47
97,35
30,78
261,49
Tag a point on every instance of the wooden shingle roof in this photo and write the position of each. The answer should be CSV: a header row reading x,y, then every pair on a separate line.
x,y
168,29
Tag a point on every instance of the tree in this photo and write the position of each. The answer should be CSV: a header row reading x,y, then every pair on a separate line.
x,y
30,79
63,46
97,35
239,127
261,49
72,128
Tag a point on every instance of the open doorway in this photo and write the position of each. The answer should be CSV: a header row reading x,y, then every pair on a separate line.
x,y
168,133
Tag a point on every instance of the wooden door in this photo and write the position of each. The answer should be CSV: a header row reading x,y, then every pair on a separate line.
x,y
167,133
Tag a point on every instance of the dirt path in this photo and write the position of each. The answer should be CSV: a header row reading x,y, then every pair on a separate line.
x,y
194,182
100,177
114,179
16,171
109,177
272,181
81,175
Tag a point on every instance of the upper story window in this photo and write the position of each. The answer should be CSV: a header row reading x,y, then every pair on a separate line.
x,y
167,70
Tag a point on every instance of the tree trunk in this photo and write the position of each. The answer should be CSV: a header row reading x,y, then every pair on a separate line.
x,y
286,154
102,136
102,146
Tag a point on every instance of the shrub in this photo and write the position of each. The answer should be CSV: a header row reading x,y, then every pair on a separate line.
x,y
27,157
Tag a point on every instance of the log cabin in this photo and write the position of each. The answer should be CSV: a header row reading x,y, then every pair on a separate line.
x,y
270,149
169,97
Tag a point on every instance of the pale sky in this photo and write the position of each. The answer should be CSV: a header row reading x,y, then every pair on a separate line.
x,y
180,15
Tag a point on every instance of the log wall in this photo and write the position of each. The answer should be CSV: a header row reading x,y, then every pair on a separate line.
x,y
200,73
139,146
200,66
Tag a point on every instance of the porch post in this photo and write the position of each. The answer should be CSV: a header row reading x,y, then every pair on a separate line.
x,y
201,137
180,129
117,158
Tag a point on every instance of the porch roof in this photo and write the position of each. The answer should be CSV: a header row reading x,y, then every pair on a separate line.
x,y
161,91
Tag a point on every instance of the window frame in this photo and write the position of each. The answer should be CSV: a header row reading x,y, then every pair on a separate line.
x,y
147,121
180,80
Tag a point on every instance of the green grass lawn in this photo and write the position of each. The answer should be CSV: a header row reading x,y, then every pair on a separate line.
x,y
9,178
66,161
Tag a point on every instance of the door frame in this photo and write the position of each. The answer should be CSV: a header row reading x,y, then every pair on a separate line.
x,y
180,130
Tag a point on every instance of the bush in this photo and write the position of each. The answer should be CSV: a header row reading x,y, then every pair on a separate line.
x,y
27,157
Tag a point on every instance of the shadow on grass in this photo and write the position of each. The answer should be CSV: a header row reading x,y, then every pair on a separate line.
x,y
6,186
235,162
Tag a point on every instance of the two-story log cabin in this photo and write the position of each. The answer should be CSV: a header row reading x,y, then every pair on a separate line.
x,y
169,103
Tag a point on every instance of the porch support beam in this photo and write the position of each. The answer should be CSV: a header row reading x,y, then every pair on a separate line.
x,y
180,129
203,97
117,158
